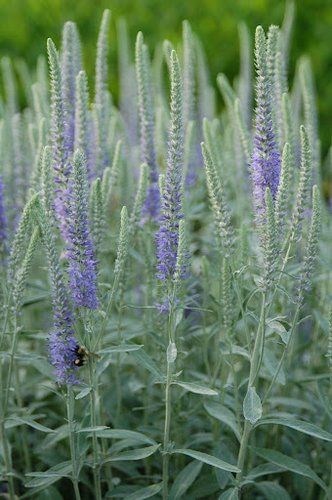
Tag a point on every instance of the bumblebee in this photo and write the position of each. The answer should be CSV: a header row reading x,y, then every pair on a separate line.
x,y
81,354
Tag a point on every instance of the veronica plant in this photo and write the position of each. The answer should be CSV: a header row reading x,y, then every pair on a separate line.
x,y
120,377
146,120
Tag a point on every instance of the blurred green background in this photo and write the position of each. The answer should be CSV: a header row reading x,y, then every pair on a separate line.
x,y
25,25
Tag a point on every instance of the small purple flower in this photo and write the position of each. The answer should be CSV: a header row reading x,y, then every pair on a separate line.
x,y
81,256
266,161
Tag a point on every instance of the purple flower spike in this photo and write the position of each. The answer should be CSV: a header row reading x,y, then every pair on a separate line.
x,y
62,341
167,237
81,256
147,125
71,64
62,344
61,153
266,161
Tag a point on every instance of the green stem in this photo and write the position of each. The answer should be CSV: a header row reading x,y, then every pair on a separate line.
x,y
167,426
7,460
236,388
4,408
258,350
11,362
167,430
240,301
96,468
256,358
243,449
288,242
6,318
118,367
281,361
70,418
23,433
146,249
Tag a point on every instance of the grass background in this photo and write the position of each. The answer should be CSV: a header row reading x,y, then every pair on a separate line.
x,y
25,25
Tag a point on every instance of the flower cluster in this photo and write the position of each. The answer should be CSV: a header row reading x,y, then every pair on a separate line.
x,y
146,120
168,233
60,150
266,161
62,342
80,253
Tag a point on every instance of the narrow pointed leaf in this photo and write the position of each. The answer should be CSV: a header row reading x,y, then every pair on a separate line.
x,y
290,464
208,459
197,389
137,454
298,425
147,492
185,479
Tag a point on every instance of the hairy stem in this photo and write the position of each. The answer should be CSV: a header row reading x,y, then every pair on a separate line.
x,y
256,358
73,454
167,430
284,353
7,460
167,426
93,421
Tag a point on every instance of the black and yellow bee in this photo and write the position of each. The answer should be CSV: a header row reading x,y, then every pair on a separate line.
x,y
82,355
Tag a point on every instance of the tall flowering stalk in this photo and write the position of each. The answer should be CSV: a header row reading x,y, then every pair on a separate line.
x,y
71,64
127,82
265,173
312,248
80,254
168,234
60,150
62,342
83,278
170,260
146,121
266,162
310,114
189,104
222,216
83,121
101,94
